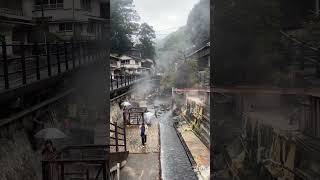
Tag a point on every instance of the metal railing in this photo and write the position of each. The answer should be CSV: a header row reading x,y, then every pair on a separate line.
x,y
119,81
38,61
84,158
7,11
119,136
48,6
302,52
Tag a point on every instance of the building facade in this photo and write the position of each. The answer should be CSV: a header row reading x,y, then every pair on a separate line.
x,y
202,56
15,22
67,19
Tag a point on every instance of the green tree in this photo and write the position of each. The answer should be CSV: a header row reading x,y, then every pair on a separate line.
x,y
146,37
124,24
186,76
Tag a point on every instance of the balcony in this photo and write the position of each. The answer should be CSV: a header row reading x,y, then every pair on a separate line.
x,y
7,11
48,6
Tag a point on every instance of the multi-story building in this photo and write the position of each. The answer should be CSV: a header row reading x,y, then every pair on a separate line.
x,y
147,66
15,20
115,64
130,65
80,19
47,20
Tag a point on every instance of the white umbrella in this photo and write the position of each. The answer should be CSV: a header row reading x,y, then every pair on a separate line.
x,y
50,133
125,103
148,117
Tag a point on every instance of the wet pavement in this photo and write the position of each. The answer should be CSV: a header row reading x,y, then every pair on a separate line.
x,y
200,153
134,144
175,164
141,167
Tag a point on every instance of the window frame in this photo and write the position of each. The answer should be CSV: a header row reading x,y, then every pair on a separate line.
x,y
64,27
48,5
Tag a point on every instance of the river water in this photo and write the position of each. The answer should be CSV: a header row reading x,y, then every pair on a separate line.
x,y
175,164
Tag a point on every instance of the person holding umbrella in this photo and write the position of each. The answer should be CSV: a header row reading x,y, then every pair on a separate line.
x,y
48,150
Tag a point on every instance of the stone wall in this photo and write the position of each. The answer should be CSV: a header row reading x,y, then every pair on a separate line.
x,y
17,158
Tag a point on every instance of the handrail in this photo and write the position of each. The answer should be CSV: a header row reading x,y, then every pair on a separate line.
x,y
298,41
15,12
119,131
45,60
304,46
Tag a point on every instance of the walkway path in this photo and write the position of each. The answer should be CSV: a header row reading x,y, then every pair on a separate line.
x,y
143,162
199,152
143,166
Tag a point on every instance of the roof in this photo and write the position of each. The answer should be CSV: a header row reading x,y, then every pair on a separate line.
x,y
203,47
125,57
149,60
114,56
135,57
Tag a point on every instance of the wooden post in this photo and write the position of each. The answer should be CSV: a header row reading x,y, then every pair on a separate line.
x,y
62,171
125,80
5,65
36,52
87,174
318,66
72,55
124,135
79,53
111,81
116,135
58,57
48,59
66,55
117,79
104,171
302,57
44,170
23,63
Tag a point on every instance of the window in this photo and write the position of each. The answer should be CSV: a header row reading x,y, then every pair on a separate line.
x,y
65,27
86,4
125,62
91,28
49,4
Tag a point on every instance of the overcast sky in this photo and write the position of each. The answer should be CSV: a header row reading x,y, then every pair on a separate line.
x,y
165,16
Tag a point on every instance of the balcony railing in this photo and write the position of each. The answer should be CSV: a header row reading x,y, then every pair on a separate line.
x,y
7,11
48,6
36,62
